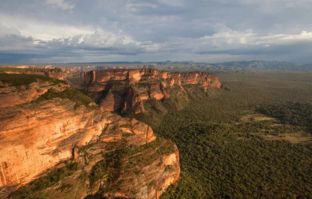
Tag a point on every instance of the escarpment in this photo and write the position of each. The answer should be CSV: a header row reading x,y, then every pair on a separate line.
x,y
126,90
56,143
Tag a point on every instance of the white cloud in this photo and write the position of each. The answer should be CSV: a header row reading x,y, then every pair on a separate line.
x,y
171,2
147,29
5,30
138,6
98,38
234,39
52,35
62,4
11,40
101,40
41,30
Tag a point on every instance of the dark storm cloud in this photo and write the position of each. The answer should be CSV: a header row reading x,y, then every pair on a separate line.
x,y
199,30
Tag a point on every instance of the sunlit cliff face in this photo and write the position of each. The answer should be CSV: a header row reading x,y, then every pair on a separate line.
x,y
45,122
127,90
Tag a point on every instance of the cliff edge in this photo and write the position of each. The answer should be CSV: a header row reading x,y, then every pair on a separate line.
x,y
127,90
56,143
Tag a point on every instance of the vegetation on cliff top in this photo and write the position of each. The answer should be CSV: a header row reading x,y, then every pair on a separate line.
x,y
73,94
32,190
29,70
127,159
24,79
156,110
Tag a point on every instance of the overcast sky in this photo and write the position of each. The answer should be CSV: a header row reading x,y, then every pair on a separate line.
x,y
36,31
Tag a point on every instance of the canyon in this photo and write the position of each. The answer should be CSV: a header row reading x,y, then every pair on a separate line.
x,y
58,141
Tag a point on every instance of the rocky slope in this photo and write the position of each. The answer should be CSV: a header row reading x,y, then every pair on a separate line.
x,y
13,95
126,90
56,143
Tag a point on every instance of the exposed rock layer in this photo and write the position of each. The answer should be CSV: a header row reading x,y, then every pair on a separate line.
x,y
13,96
35,136
127,89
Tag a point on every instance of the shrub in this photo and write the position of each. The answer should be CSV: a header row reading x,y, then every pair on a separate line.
x,y
32,190
72,94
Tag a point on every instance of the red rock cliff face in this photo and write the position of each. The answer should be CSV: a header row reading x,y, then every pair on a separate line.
x,y
36,136
127,89
12,96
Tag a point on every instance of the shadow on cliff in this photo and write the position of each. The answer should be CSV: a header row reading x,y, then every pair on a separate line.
x,y
95,196
98,196
103,94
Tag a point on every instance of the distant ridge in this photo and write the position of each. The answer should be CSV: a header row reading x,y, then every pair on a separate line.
x,y
258,65
253,65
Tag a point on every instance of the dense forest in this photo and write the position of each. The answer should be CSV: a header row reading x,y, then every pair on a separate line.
x,y
248,140
290,113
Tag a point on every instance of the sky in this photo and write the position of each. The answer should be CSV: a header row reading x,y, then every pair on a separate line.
x,y
71,31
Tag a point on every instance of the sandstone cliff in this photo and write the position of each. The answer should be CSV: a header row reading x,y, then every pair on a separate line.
x,y
126,90
57,144
12,95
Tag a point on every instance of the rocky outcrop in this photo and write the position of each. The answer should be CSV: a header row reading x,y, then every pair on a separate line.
x,y
13,96
126,90
37,136
147,170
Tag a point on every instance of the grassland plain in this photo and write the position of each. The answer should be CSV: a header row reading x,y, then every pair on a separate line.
x,y
225,155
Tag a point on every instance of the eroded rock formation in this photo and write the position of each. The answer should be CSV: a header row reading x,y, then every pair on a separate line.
x,y
127,89
38,136
16,95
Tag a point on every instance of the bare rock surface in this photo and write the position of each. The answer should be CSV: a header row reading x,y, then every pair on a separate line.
x,y
40,137
128,89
